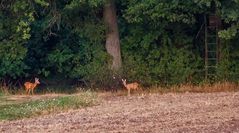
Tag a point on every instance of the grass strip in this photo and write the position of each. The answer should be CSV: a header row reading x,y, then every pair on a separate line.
x,y
41,107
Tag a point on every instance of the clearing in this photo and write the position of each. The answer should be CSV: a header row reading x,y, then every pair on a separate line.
x,y
181,112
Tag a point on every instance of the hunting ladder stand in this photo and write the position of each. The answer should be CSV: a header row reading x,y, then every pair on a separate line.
x,y
212,45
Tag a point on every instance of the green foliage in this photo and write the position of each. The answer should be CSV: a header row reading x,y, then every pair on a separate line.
x,y
60,59
15,31
163,55
42,2
80,3
229,33
12,57
165,65
155,11
228,67
229,13
66,38
1,93
182,12
24,12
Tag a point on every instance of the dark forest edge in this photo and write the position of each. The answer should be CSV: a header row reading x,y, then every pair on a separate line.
x,y
64,42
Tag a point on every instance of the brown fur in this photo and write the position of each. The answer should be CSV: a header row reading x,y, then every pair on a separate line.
x,y
130,86
31,86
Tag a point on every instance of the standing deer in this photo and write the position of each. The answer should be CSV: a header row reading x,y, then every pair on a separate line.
x,y
31,86
133,86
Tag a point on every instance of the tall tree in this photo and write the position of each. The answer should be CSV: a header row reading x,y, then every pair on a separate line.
x,y
112,34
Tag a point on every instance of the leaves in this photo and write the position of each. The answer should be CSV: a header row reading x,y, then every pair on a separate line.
x,y
42,2
11,59
67,37
230,32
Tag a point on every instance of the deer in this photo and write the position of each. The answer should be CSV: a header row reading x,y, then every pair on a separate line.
x,y
130,86
31,86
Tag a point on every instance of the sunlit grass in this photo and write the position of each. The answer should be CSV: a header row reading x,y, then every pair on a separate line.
x,y
41,107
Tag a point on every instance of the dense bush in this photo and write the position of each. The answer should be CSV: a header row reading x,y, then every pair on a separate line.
x,y
161,59
228,67
12,55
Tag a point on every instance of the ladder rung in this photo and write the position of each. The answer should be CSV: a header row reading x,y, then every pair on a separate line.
x,y
212,58
211,43
210,66
211,74
211,51
212,26
211,35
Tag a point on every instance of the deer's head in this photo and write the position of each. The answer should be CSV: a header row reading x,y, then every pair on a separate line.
x,y
37,81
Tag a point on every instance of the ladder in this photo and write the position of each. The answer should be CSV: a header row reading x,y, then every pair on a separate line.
x,y
211,50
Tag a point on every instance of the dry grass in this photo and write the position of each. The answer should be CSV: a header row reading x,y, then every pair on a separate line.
x,y
183,88
205,88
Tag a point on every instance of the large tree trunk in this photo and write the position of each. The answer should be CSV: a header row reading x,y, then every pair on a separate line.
x,y
112,34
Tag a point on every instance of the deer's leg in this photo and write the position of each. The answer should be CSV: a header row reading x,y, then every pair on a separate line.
x,y
139,88
128,92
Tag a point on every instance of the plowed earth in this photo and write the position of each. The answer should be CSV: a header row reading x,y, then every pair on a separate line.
x,y
185,112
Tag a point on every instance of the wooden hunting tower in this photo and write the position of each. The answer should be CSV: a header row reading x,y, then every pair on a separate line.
x,y
212,24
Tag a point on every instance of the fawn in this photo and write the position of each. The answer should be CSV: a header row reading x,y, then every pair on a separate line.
x,y
31,86
133,86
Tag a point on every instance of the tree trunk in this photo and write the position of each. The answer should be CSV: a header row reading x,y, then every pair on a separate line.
x,y
112,34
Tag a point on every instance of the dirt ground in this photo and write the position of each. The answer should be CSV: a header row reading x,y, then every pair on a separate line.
x,y
150,113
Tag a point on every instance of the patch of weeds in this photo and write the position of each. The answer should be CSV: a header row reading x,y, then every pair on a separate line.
x,y
1,94
40,107
2,97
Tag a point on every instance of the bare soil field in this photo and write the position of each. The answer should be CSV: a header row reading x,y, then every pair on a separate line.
x,y
149,113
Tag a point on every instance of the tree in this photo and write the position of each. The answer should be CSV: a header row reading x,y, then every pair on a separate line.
x,y
112,34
